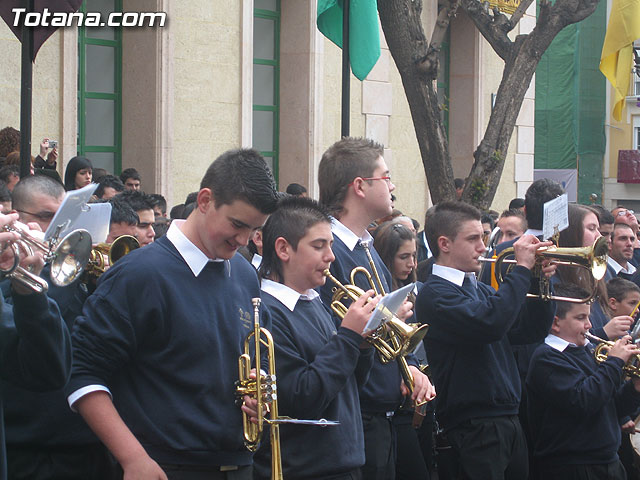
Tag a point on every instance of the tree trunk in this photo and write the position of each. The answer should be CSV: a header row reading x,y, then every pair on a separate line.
x,y
418,69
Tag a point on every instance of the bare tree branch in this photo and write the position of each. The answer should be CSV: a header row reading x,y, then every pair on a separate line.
x,y
428,65
520,11
493,27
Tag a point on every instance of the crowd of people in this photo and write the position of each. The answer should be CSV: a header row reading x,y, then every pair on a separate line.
x,y
144,386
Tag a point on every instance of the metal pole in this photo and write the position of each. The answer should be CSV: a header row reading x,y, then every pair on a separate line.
x,y
26,91
346,70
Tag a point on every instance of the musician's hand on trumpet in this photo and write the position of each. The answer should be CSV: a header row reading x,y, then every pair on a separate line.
x,y
423,389
30,261
618,326
624,349
360,311
525,249
250,404
405,311
629,427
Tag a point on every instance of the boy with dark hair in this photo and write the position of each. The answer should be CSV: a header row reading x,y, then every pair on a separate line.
x,y
124,220
156,349
131,179
320,365
143,206
108,187
356,187
574,404
472,328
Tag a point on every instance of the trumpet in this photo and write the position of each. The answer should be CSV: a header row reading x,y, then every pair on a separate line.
x,y
393,339
103,255
67,257
263,388
601,353
592,259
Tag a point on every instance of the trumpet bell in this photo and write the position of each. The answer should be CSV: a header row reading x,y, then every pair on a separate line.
x,y
70,257
410,334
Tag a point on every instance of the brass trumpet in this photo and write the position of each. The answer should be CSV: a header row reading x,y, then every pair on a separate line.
x,y
592,259
601,353
104,255
67,257
263,388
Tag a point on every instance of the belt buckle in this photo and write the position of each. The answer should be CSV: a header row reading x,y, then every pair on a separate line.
x,y
228,468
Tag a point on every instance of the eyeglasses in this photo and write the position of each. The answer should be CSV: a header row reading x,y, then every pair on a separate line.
x,y
624,212
44,216
386,179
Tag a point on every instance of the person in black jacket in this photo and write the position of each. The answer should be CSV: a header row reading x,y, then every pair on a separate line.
x,y
574,403
472,329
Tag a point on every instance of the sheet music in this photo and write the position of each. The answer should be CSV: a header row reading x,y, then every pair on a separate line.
x,y
556,215
389,303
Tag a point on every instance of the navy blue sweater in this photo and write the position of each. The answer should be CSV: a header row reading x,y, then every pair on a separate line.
x,y
381,393
319,369
167,343
574,405
43,419
35,347
469,343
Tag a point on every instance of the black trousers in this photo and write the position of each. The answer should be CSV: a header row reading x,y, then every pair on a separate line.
x,y
379,447
492,448
611,471
64,463
189,472
410,463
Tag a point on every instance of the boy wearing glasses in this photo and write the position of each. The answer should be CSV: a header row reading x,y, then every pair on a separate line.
x,y
36,199
355,186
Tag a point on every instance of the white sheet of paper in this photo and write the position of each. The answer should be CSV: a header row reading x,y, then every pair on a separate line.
x,y
556,214
72,205
96,220
392,301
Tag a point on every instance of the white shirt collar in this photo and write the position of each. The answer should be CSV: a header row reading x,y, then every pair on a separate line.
x,y
349,238
287,295
426,244
256,261
618,268
558,343
454,275
192,255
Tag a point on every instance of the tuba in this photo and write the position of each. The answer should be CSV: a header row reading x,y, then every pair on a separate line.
x,y
601,353
67,257
592,259
103,255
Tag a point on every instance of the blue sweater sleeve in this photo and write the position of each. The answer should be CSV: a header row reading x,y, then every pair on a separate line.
x,y
36,346
473,320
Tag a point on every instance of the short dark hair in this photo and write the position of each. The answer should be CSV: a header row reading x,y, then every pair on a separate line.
x,y
342,162
159,201
291,221
177,212
447,220
242,174
604,216
295,189
137,199
458,182
618,288
8,171
129,173
192,197
567,290
122,212
110,181
539,193
516,203
98,174
486,218
5,194
24,190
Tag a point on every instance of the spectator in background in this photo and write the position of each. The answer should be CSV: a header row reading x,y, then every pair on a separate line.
x,y
160,212
14,159
78,174
10,174
9,141
5,198
131,179
98,174
459,184
606,221
487,227
143,206
47,160
297,190
517,204
108,187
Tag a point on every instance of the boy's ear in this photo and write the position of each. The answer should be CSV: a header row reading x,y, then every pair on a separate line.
x,y
204,199
613,304
444,244
283,249
555,326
